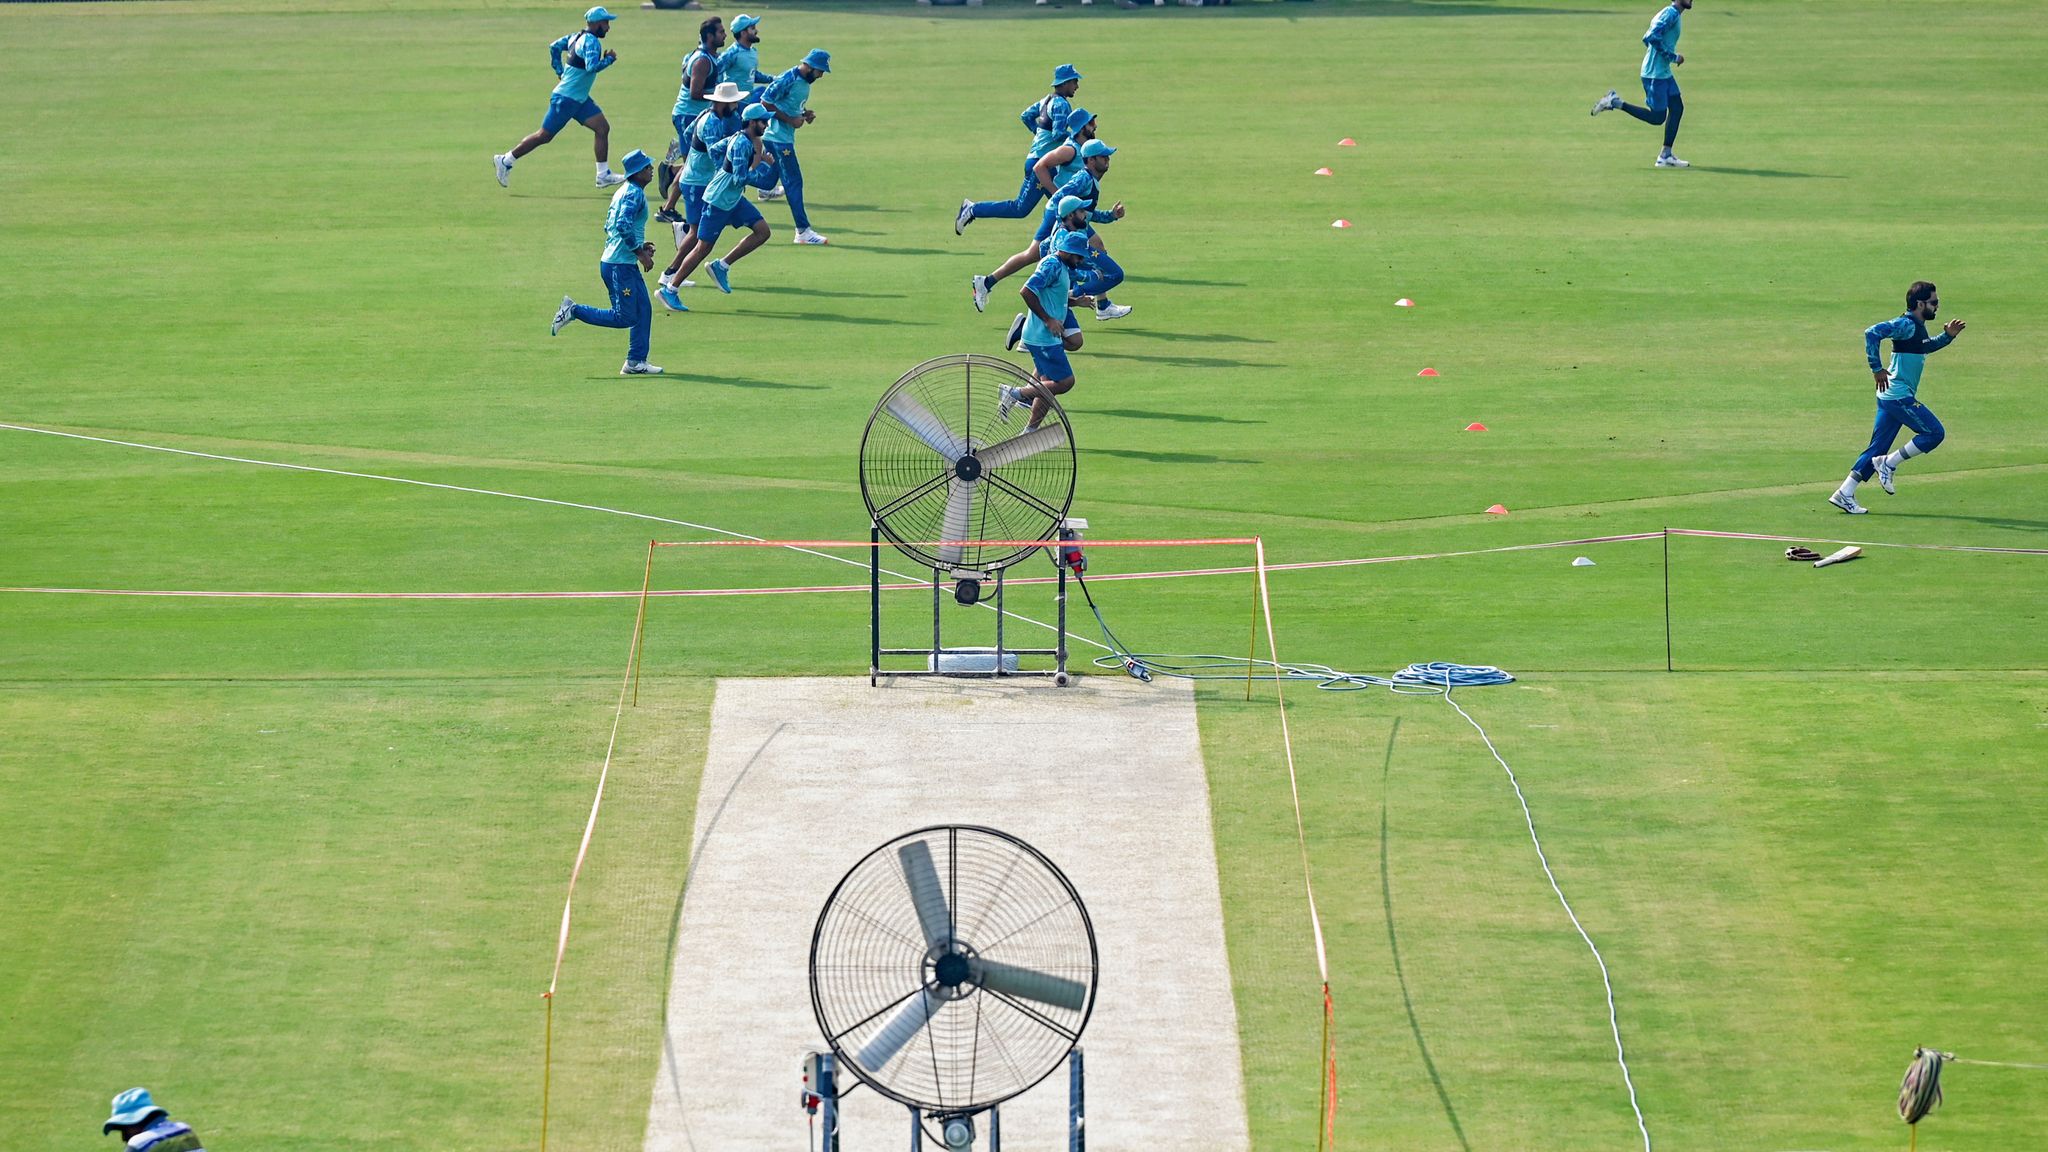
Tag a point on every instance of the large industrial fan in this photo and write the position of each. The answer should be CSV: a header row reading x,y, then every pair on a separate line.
x,y
952,969
965,490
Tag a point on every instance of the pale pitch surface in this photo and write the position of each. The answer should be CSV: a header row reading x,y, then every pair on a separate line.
x,y
805,776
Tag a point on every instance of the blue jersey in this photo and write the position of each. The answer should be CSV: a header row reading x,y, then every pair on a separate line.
x,y
735,166
625,225
1052,284
708,134
1086,188
787,93
742,66
1047,120
577,58
1660,44
686,108
1910,348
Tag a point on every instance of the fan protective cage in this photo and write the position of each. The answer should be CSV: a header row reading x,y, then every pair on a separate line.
x,y
911,447
873,961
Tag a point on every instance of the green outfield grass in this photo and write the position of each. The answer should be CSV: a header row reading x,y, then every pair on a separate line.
x,y
297,864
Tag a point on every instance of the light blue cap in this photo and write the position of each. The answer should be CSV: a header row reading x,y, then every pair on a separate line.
x,y
742,22
1064,73
132,1107
819,59
1096,148
635,161
1074,244
755,112
1068,206
597,14
1077,118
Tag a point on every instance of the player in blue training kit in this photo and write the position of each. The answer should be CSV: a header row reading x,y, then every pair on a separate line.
x,y
1660,88
746,161
708,135
625,245
740,65
1050,331
785,98
577,58
1047,122
1086,187
1898,401
700,76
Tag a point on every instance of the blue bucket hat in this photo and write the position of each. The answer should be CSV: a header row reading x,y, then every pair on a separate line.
x,y
1064,73
635,161
754,112
1074,244
1069,205
1077,119
1096,148
819,59
597,14
742,22
132,1107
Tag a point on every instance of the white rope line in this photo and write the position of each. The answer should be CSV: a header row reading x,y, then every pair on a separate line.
x,y
1606,982
1955,1059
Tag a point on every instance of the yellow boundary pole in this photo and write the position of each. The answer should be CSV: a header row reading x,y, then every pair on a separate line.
x,y
640,621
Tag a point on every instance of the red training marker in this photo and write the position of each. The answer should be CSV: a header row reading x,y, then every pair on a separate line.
x,y
1340,223
1347,142
1475,427
1404,302
1427,372
1497,510
1324,172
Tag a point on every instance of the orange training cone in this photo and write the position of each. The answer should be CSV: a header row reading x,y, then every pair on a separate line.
x,y
1324,172
1497,510
1475,427
1340,223
1404,302
1427,372
1347,142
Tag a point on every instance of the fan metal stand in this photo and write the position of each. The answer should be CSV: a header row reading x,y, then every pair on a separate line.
x,y
821,1094
935,656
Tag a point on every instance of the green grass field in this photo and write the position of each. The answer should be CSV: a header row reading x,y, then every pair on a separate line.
x,y
297,864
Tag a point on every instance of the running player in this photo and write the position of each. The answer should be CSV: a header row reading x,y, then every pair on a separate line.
x,y
707,137
1085,186
1072,214
1898,401
700,76
745,161
785,99
625,245
1050,332
577,58
1047,121
740,65
1660,88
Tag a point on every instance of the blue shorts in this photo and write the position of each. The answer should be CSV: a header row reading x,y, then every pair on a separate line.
x,y
1051,362
693,203
714,219
1658,91
679,150
562,110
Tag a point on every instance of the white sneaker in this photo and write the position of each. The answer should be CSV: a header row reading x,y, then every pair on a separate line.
x,y
639,368
1885,471
806,236
1112,311
1847,503
679,228
1669,161
965,217
1607,103
774,193
563,315
981,293
502,163
1016,333
1007,403
607,178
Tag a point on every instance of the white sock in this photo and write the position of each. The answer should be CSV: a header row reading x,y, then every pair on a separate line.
x,y
1848,487
507,157
603,167
1905,452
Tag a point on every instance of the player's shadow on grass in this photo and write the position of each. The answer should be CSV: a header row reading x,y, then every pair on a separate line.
x,y
887,251
1769,173
1167,457
836,318
1182,361
1187,283
815,206
1989,521
742,382
1193,337
787,290
1176,417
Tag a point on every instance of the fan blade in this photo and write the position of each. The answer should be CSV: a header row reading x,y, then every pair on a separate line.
x,y
1026,984
959,509
926,426
900,1030
1020,447
926,894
